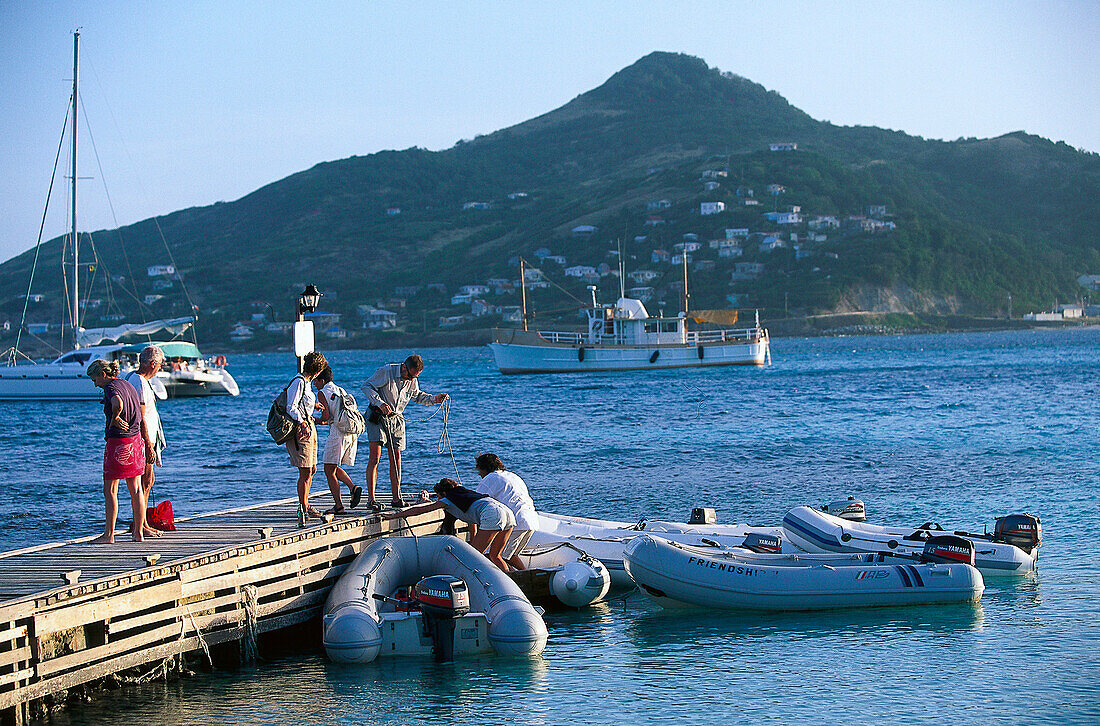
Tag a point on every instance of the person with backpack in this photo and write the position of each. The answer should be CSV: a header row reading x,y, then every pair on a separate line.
x,y
302,444
342,441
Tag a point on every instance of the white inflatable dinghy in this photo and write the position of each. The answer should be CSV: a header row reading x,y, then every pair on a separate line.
x,y
576,578
1013,549
678,575
605,539
459,603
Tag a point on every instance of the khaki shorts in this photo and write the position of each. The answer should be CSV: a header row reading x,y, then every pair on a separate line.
x,y
390,433
516,542
302,446
340,449
491,515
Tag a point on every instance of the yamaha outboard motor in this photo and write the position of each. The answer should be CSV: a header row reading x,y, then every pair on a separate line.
x,y
948,548
851,509
1023,530
443,599
764,543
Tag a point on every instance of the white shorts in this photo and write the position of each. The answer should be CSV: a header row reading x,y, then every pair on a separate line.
x,y
340,449
516,542
491,515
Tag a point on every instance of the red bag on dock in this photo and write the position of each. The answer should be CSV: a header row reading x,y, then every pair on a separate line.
x,y
160,517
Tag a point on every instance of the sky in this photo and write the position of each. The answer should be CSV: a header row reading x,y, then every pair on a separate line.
x,y
191,103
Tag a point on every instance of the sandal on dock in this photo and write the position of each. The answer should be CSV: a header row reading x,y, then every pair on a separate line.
x,y
375,506
399,504
313,512
336,511
356,496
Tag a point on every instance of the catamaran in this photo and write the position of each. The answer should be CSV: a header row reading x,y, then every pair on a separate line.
x,y
186,372
624,337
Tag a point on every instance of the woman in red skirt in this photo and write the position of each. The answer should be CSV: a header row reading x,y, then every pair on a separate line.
x,y
124,454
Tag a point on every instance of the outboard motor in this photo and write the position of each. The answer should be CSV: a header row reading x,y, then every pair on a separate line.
x,y
703,515
949,549
443,599
764,543
1022,530
851,509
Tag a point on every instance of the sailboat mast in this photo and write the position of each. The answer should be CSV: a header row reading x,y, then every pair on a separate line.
x,y
523,292
684,257
75,315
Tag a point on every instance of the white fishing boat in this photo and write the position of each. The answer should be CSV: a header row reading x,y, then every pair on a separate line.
x,y
418,596
606,540
1013,548
22,378
624,337
678,575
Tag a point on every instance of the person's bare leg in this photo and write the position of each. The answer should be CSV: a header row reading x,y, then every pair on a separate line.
x,y
342,475
137,502
333,476
110,500
372,468
496,546
147,480
305,479
516,562
395,473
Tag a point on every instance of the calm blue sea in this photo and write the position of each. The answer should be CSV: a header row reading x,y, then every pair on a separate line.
x,y
956,428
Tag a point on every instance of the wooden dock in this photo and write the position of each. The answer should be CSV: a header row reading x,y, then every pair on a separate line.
x,y
72,613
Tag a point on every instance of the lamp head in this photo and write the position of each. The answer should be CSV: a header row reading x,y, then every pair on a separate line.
x,y
309,298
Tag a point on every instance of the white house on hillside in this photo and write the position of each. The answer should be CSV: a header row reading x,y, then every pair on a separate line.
x,y
706,208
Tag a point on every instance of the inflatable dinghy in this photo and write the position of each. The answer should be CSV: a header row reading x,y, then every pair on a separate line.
x,y
575,579
605,540
424,595
1013,549
678,575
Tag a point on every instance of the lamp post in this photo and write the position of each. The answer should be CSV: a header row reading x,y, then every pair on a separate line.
x,y
303,329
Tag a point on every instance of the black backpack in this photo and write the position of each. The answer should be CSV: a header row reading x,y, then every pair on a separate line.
x,y
280,425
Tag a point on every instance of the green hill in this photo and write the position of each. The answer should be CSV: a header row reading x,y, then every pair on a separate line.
x,y
973,221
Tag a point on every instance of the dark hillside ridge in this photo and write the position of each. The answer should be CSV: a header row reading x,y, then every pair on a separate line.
x,y
961,225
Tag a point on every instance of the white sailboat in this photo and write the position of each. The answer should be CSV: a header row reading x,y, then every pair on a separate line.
x,y
623,337
186,372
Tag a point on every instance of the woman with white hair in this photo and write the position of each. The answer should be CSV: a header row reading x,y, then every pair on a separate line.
x,y
124,452
152,432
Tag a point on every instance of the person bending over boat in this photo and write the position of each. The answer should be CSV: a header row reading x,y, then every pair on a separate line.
x,y
124,452
152,431
302,445
493,521
340,446
389,390
511,491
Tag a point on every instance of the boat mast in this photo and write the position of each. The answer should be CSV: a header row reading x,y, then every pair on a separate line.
x,y
74,316
622,270
684,257
523,293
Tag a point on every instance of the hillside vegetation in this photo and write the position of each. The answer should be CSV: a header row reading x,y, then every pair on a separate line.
x,y
958,226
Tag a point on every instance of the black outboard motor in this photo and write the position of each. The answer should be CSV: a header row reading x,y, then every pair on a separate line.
x,y
764,543
1023,530
443,599
948,548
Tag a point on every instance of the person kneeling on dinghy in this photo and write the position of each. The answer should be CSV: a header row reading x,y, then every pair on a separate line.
x,y
493,520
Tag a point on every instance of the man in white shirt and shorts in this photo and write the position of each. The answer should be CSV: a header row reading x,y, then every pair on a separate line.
x,y
511,491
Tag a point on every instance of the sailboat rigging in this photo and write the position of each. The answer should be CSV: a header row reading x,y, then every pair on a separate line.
x,y
186,372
